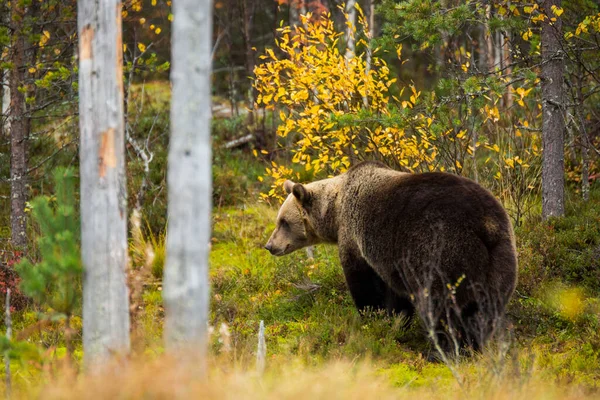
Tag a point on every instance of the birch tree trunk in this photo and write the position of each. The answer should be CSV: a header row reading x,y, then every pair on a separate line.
x,y
18,134
103,190
186,287
370,15
489,39
553,124
4,84
248,6
583,135
6,103
294,14
350,30
507,69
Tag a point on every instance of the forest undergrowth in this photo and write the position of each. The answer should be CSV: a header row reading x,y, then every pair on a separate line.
x,y
318,346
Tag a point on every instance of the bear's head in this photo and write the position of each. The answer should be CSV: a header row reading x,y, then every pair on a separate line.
x,y
294,230
307,217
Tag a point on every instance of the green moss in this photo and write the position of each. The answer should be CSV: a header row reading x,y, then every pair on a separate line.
x,y
567,249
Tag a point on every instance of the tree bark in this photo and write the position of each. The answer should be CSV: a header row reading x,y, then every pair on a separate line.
x,y
248,6
584,138
350,39
18,134
553,124
294,13
370,16
6,103
507,69
186,287
489,39
103,190
5,85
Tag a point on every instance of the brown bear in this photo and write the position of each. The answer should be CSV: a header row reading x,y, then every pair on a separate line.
x,y
436,243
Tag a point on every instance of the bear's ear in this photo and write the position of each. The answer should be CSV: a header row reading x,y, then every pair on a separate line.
x,y
301,193
288,186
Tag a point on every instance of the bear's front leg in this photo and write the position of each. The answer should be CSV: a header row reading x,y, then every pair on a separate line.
x,y
367,288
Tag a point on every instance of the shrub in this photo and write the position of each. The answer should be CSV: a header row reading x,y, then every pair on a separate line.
x,y
565,249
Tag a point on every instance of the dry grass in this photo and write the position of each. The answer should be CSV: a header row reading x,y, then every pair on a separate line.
x,y
164,378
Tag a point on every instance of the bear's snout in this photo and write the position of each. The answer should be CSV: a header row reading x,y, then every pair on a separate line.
x,y
269,247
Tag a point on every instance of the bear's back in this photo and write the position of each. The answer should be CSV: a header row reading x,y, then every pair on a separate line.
x,y
429,217
378,194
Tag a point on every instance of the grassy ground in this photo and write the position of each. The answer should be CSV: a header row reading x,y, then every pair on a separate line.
x,y
319,347
317,344
553,346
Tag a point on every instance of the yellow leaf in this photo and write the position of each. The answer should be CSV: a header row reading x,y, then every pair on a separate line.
x,y
142,21
157,31
557,10
44,38
142,47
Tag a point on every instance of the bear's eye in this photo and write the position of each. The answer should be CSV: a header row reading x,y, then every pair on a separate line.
x,y
284,223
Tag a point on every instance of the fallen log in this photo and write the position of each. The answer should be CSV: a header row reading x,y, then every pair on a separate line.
x,y
239,141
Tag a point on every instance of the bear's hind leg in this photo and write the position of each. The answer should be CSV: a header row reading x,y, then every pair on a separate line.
x,y
369,291
399,305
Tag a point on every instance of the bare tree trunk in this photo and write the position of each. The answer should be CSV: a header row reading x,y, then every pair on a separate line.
x,y
553,124
489,39
585,143
497,50
248,6
18,136
370,15
103,190
444,47
5,85
294,13
6,103
585,164
506,61
186,287
350,30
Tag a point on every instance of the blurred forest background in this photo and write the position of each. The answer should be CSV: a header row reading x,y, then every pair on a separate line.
x,y
504,92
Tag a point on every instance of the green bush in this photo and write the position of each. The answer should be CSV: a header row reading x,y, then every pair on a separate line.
x,y
565,249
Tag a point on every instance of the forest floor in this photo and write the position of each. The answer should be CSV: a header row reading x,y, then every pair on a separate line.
x,y
318,346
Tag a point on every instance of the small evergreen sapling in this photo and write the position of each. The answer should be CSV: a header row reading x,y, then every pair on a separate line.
x,y
54,282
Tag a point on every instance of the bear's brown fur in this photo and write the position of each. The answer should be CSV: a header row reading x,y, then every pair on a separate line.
x,y
434,242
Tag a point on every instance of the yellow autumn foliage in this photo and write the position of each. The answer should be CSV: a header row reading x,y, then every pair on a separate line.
x,y
315,87
335,110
